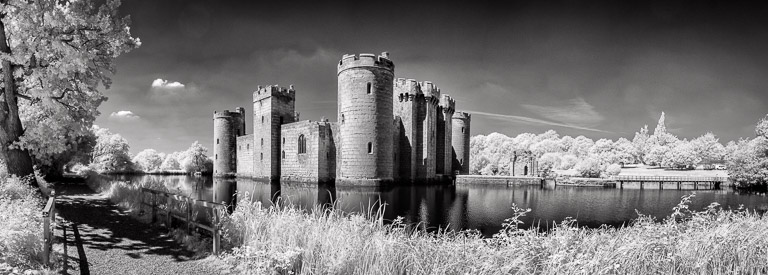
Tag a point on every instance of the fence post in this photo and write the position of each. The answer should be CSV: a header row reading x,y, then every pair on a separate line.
x,y
215,227
189,217
47,229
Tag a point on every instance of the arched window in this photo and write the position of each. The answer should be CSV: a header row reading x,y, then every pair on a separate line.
x,y
283,141
369,88
302,144
525,170
370,148
283,154
217,141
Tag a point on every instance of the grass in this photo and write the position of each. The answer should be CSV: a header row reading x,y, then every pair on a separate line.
x,y
21,238
287,240
644,170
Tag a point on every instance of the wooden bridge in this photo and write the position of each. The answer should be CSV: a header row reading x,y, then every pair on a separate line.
x,y
704,183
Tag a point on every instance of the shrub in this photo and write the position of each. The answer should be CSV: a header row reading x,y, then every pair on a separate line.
x,y
613,169
20,238
589,167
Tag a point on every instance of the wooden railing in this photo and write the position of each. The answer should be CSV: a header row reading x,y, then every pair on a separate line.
x,y
670,178
187,203
49,220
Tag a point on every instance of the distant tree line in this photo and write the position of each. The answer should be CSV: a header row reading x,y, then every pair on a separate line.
x,y
493,154
110,153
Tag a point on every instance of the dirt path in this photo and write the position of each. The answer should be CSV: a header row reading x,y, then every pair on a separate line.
x,y
103,239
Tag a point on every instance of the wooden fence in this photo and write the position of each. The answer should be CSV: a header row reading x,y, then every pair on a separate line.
x,y
49,220
186,204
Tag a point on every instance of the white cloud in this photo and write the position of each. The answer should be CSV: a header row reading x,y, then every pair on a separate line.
x,y
124,116
161,83
575,112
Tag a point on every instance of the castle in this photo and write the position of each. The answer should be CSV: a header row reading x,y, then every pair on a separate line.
x,y
388,130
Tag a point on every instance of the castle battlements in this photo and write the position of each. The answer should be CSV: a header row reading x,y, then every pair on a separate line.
x,y
228,113
462,115
274,91
366,60
388,129
448,103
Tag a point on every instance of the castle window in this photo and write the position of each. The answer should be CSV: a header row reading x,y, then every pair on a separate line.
x,y
369,87
261,156
248,146
283,141
283,154
370,148
262,119
216,156
461,161
342,118
462,130
217,141
302,144
262,141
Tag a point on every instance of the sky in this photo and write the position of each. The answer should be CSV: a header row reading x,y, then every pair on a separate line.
x,y
598,69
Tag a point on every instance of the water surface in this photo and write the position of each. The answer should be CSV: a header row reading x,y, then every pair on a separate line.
x,y
479,206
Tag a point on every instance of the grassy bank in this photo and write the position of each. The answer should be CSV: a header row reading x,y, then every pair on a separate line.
x,y
21,238
284,240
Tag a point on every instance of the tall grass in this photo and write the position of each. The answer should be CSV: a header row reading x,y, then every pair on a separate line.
x,y
21,238
285,240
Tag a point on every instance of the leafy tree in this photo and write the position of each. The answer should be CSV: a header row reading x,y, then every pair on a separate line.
x,y
55,54
194,159
111,153
624,151
581,146
682,155
613,169
547,163
568,161
565,143
656,154
589,167
148,160
708,148
171,162
748,162
640,142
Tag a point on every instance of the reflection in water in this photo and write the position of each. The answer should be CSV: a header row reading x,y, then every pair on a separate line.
x,y
481,207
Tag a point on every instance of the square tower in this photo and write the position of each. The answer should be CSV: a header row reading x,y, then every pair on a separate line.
x,y
273,106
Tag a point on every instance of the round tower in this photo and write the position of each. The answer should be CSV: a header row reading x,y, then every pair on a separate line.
x,y
460,141
365,118
224,142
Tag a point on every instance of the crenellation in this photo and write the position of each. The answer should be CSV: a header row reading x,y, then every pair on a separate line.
x,y
388,129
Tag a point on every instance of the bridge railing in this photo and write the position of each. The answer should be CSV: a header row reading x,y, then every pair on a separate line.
x,y
187,203
49,221
670,178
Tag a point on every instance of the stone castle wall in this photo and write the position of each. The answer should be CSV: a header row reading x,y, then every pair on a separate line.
x,y
460,141
428,165
365,118
245,156
226,128
406,101
445,135
313,165
272,107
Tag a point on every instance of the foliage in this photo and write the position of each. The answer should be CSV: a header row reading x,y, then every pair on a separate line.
x,y
171,162
547,163
285,240
682,155
196,159
590,167
613,169
148,160
568,161
20,239
708,148
111,153
60,53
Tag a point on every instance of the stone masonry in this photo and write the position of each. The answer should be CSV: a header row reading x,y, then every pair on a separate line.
x,y
387,130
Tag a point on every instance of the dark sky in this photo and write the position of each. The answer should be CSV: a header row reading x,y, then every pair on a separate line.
x,y
599,69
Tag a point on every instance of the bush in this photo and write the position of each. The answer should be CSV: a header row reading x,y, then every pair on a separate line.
x,y
20,238
589,167
613,169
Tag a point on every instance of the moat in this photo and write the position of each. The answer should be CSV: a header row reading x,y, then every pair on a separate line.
x,y
480,207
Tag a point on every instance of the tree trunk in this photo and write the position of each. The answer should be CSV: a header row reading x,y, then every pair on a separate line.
x,y
18,161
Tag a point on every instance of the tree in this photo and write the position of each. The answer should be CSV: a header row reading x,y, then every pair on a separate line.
x,y
589,167
148,160
708,148
682,155
568,161
581,146
547,163
194,159
111,153
748,162
55,54
639,142
171,162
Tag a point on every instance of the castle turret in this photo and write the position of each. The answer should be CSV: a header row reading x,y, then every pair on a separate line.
x,y
226,129
444,135
460,141
273,106
365,119
406,98
428,114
